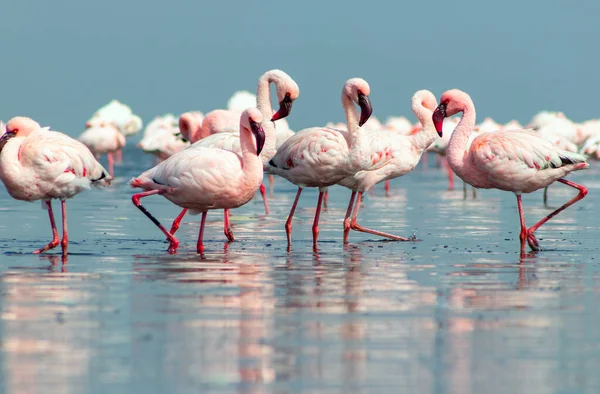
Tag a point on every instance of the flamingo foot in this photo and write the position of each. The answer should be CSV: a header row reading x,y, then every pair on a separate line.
x,y
173,245
532,241
229,234
53,244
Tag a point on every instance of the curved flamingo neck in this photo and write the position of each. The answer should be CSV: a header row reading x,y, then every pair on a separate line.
x,y
427,135
263,103
352,118
458,144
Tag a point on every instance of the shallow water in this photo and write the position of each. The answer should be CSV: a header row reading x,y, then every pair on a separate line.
x,y
459,312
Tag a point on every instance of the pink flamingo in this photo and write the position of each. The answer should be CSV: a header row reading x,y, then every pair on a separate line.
x,y
516,161
322,156
190,125
202,178
103,137
287,92
392,154
39,164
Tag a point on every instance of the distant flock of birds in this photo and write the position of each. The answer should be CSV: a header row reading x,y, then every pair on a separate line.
x,y
217,160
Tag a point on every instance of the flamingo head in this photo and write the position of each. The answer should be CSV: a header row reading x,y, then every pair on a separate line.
x,y
358,90
252,119
287,92
452,102
18,126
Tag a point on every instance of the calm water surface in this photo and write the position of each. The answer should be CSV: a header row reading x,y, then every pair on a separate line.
x,y
460,312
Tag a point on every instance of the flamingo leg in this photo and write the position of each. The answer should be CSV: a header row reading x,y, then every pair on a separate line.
x,y
474,192
119,156
271,183
464,190
200,245
65,238
226,227
315,227
523,234
450,175
263,193
530,232
55,240
177,221
347,218
387,188
355,226
546,196
288,223
325,198
111,165
174,243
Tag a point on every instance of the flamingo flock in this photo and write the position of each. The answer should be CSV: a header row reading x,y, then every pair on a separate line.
x,y
216,160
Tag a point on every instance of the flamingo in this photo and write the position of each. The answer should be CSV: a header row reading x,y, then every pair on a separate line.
x,y
241,100
518,161
287,92
39,164
103,137
162,137
392,154
203,178
321,156
190,125
122,117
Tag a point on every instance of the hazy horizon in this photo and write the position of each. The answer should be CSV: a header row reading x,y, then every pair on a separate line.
x,y
65,59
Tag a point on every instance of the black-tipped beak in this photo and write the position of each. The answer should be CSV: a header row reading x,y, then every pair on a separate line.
x,y
5,137
285,107
438,118
365,108
259,134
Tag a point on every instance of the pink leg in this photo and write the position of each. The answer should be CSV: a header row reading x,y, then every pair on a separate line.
x,y
387,188
523,234
227,228
582,193
200,246
450,175
263,192
119,155
325,198
111,165
174,243
177,221
347,218
55,240
288,223
271,183
355,226
315,227
65,239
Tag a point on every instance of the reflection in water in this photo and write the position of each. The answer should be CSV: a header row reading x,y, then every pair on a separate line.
x,y
43,330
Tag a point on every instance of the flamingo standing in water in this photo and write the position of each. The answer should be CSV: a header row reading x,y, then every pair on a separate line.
x,y
517,161
203,178
287,92
392,154
102,137
218,123
39,164
322,156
